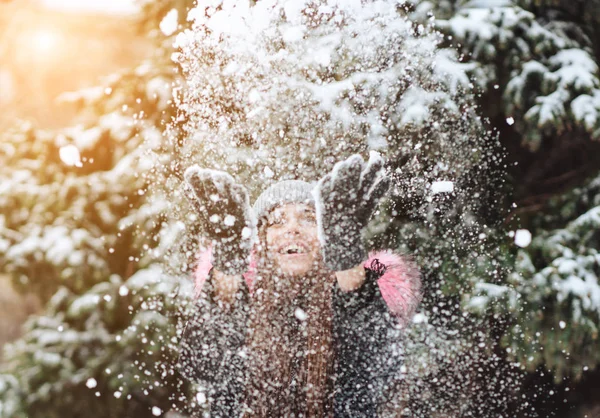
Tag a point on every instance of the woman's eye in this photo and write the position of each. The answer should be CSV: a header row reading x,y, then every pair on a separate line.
x,y
310,220
276,221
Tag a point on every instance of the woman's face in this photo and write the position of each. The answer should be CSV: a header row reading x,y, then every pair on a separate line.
x,y
292,242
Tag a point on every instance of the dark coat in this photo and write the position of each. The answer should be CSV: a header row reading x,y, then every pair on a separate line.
x,y
366,343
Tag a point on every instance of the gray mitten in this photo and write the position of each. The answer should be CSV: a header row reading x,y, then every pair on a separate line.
x,y
224,210
345,201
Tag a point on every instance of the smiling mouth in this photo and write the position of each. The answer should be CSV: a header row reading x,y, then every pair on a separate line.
x,y
293,249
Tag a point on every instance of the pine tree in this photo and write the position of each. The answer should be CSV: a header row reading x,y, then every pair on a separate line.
x,y
78,228
536,67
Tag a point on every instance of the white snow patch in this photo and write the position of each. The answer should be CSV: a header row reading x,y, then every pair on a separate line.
x,y
268,172
160,89
85,303
300,314
447,67
123,291
253,96
69,154
86,139
522,237
294,34
246,232
420,318
586,289
229,220
478,303
168,25
442,187
492,290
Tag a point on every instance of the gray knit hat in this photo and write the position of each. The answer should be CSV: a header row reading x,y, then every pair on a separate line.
x,y
288,191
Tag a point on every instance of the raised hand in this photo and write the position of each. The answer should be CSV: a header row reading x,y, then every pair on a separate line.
x,y
346,199
224,210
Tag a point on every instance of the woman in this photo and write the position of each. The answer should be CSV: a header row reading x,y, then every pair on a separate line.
x,y
304,323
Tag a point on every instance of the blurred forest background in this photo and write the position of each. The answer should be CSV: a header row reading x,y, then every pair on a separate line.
x,y
89,308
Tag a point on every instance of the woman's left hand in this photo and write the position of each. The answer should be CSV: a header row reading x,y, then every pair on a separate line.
x,y
346,199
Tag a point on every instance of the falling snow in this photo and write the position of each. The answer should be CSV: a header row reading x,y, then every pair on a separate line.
x,y
522,238
280,90
91,383
168,25
442,187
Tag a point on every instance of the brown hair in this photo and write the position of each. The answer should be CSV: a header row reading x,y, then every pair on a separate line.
x,y
290,342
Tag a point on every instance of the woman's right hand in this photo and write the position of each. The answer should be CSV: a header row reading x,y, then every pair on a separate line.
x,y
224,211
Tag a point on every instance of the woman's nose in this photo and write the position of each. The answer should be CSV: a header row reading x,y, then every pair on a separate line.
x,y
293,228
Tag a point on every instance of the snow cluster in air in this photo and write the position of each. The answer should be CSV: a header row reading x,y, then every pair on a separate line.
x,y
287,97
168,25
69,154
300,314
201,397
442,187
229,220
277,90
522,237
123,290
